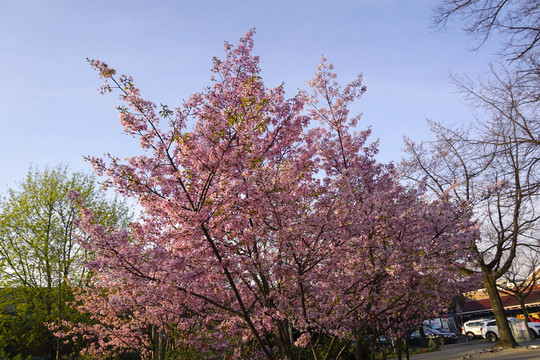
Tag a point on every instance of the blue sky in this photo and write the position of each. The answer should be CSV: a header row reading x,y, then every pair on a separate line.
x,y
51,112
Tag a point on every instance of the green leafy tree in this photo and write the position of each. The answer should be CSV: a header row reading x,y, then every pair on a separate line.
x,y
40,260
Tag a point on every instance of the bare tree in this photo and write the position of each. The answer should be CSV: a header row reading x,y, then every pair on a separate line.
x,y
521,278
515,22
507,107
492,166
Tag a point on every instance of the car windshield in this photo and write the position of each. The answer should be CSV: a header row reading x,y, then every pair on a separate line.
x,y
436,328
474,324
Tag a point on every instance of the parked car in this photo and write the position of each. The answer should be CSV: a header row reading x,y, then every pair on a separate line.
x,y
440,329
472,329
448,336
491,333
534,326
442,336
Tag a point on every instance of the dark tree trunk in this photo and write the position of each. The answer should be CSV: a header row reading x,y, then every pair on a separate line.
x,y
506,339
361,350
406,349
524,308
423,339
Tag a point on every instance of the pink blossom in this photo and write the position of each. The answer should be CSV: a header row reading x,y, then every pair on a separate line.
x,y
263,217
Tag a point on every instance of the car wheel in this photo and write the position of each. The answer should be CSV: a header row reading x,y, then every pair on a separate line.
x,y
491,336
470,335
532,333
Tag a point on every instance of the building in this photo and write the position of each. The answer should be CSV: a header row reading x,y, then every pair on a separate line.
x,y
477,304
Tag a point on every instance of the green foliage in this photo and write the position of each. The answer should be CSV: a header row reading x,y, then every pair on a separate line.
x,y
40,259
22,328
6,356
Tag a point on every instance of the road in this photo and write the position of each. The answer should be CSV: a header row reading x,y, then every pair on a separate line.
x,y
483,350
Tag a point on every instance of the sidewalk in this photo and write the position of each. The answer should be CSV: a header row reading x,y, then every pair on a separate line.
x,y
483,351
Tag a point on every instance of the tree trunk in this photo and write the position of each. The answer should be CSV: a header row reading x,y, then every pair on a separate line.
x,y
524,308
406,349
361,350
424,342
506,339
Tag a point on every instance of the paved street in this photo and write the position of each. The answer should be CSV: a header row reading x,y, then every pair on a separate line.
x,y
483,350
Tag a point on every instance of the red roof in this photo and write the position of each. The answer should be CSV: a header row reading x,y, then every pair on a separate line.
x,y
509,302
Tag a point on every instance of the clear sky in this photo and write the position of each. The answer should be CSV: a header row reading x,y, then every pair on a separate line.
x,y
51,112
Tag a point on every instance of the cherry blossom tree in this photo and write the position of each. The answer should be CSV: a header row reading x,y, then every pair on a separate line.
x,y
269,229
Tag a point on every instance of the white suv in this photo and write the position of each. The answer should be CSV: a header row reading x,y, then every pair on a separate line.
x,y
534,326
472,328
490,332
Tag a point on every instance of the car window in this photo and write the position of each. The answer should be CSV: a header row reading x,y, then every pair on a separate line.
x,y
492,323
475,323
